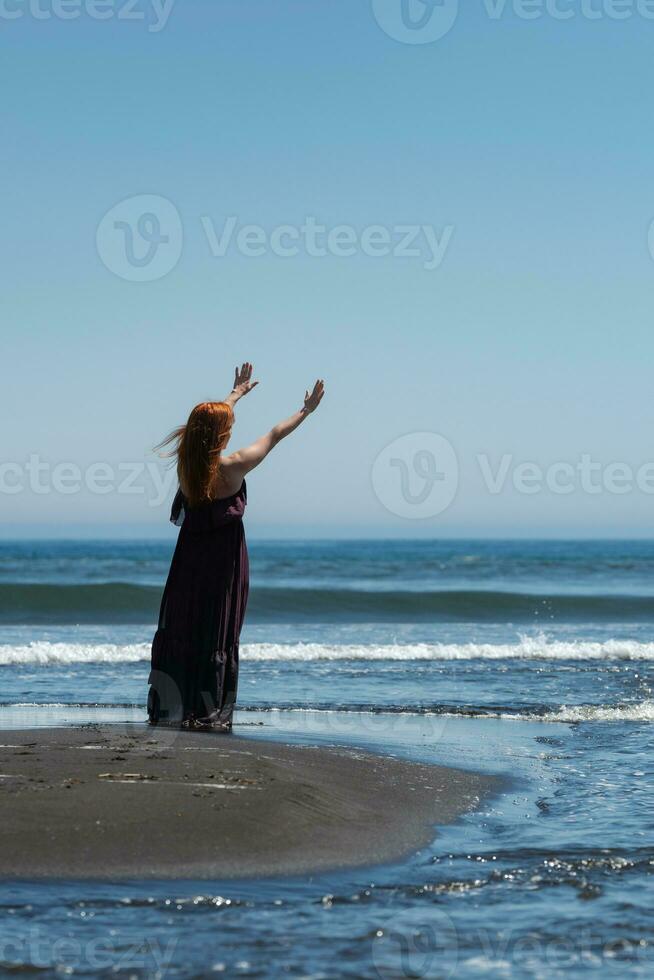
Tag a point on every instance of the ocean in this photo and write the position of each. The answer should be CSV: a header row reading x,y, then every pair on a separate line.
x,y
529,660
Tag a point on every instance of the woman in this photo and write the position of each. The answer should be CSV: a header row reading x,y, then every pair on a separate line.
x,y
194,672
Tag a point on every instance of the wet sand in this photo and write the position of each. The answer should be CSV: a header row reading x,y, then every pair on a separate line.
x,y
92,802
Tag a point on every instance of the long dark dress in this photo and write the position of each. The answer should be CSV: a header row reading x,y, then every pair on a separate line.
x,y
194,673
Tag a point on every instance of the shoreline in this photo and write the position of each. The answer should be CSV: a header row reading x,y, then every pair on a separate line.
x,y
86,802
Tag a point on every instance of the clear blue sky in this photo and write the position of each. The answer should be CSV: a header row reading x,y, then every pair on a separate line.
x,y
533,339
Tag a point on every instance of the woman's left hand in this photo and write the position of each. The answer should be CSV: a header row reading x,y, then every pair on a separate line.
x,y
243,383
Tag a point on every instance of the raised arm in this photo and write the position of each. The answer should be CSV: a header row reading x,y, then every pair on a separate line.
x,y
245,460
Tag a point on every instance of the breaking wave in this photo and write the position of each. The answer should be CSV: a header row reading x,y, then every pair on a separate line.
x,y
526,648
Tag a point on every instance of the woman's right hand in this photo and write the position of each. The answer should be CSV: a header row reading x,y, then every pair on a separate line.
x,y
311,401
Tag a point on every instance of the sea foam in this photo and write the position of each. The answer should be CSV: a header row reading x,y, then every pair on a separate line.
x,y
526,648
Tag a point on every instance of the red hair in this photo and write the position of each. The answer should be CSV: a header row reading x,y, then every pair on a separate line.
x,y
198,445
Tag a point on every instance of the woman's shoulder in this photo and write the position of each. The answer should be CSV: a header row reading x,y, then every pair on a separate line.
x,y
229,480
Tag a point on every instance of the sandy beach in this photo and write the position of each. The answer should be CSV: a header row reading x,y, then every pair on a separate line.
x,y
87,802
